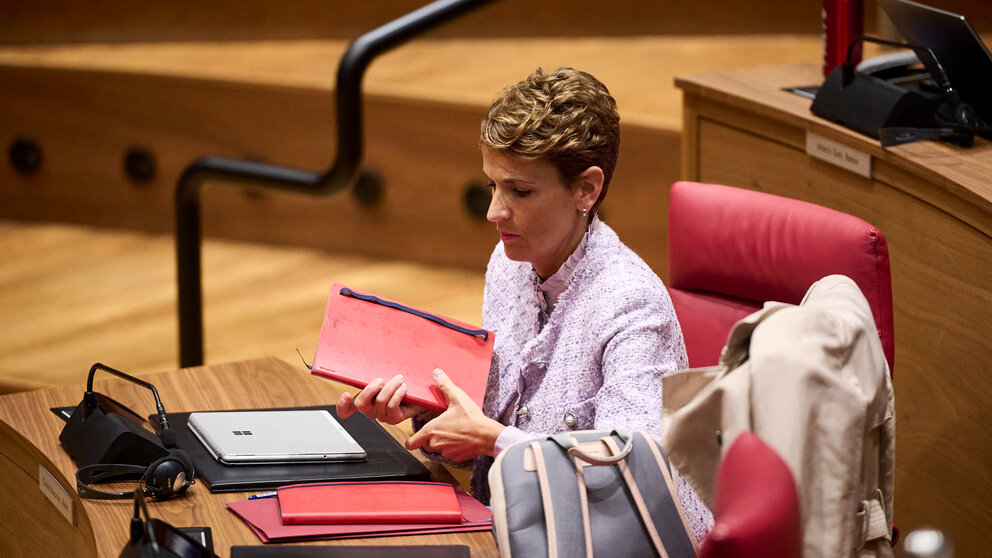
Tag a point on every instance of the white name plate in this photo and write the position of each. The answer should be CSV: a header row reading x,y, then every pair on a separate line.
x,y
56,494
836,153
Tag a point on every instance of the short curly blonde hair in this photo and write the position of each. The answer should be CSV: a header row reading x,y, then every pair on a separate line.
x,y
567,117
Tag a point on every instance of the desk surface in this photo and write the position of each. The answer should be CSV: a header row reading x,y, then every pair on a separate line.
x,y
29,437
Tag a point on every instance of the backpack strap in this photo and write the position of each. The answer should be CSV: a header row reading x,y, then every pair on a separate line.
x,y
669,473
567,443
870,522
549,513
635,493
584,505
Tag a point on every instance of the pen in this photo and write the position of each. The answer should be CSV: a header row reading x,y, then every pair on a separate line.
x,y
263,495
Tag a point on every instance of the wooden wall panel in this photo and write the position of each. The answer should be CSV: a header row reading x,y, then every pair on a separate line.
x,y
53,21
48,21
32,523
427,153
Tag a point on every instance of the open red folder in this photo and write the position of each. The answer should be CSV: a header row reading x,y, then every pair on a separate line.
x,y
262,517
369,502
365,337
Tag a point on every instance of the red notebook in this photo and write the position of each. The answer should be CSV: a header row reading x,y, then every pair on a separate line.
x,y
262,517
368,502
365,337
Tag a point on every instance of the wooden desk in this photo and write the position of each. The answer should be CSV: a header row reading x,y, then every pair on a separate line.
x,y
933,202
29,437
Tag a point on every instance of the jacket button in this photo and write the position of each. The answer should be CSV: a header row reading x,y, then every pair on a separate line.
x,y
570,420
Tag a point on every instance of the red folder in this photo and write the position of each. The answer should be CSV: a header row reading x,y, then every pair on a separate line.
x,y
365,337
262,517
369,502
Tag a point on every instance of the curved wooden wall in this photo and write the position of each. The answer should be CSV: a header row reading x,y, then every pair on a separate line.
x,y
52,21
86,106
29,523
188,20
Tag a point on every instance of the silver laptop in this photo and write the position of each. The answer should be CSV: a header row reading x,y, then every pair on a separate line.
x,y
279,437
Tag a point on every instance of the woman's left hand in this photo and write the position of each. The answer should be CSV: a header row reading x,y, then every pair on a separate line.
x,y
462,431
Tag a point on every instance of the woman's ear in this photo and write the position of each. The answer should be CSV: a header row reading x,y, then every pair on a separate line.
x,y
588,186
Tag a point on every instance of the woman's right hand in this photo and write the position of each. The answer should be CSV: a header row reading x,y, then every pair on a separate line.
x,y
380,400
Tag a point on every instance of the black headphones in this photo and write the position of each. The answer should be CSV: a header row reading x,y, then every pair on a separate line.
x,y
166,477
960,119
954,122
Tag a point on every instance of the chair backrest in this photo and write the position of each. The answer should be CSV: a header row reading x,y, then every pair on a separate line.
x,y
756,512
730,250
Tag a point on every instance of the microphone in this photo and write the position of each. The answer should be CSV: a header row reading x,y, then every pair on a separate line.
x,y
926,56
109,442
167,435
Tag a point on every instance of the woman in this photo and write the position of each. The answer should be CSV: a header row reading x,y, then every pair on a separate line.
x,y
584,329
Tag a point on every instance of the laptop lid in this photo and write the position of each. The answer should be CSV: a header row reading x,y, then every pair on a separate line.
x,y
253,437
960,50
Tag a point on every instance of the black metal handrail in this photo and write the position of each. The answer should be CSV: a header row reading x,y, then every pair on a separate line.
x,y
340,176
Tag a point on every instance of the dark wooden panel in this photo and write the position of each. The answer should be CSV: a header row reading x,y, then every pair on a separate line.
x,y
52,21
145,20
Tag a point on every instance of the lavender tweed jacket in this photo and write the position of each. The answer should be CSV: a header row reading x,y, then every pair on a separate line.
x,y
599,360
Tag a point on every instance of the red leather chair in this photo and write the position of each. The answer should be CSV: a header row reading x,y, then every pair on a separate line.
x,y
730,250
756,512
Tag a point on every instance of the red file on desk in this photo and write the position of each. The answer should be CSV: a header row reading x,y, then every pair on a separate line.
x,y
365,337
369,502
262,517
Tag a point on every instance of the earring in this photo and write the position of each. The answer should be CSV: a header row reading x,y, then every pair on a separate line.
x,y
585,212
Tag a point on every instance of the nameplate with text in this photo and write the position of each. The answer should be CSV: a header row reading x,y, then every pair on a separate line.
x,y
836,153
56,494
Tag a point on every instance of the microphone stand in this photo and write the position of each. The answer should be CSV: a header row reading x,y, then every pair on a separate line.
x,y
89,397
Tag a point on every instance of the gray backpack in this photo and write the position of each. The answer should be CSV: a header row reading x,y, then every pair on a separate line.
x,y
587,493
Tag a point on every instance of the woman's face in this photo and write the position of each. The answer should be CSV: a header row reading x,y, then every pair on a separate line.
x,y
539,218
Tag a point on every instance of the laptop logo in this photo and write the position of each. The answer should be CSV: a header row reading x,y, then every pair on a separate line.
x,y
241,432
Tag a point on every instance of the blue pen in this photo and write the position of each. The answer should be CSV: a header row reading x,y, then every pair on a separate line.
x,y
263,495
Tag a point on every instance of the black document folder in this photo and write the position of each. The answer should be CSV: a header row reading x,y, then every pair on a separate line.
x,y
386,459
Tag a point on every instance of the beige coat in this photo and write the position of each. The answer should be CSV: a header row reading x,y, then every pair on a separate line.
x,y
812,382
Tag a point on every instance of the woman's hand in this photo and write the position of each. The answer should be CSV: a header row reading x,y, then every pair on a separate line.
x,y
462,431
379,400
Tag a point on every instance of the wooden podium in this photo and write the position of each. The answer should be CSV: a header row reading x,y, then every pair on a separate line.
x,y
29,447
933,202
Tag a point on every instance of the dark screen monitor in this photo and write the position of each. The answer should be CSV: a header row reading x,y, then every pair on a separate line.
x,y
954,42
